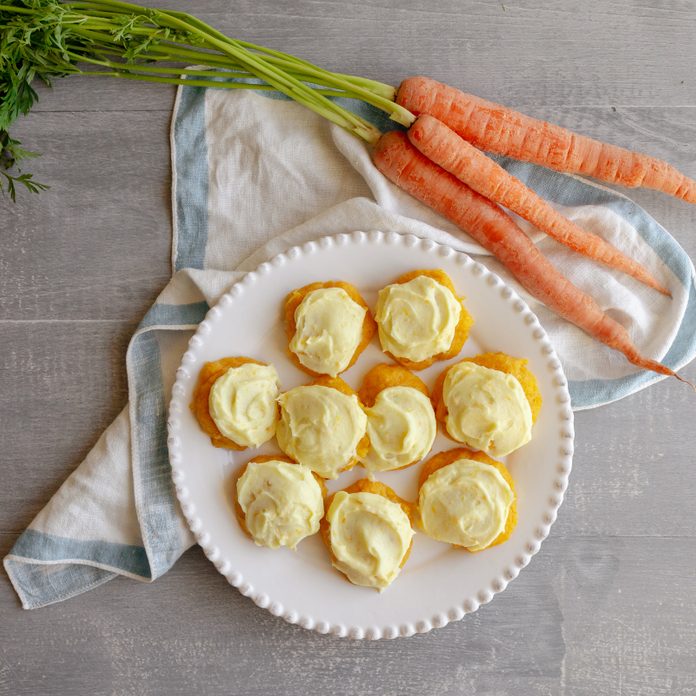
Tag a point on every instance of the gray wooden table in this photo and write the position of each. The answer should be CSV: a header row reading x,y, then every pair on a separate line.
x,y
607,606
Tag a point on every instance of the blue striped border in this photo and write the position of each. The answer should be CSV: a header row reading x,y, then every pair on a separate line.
x,y
38,585
162,314
154,489
191,167
157,505
40,546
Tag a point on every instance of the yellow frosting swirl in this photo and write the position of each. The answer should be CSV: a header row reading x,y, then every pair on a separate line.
x,y
465,503
417,319
282,503
401,427
486,409
329,329
242,403
320,427
369,536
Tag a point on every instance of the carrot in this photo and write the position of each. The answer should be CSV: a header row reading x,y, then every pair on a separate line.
x,y
496,128
444,147
412,171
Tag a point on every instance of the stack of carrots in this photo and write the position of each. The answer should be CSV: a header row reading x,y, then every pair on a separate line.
x,y
439,161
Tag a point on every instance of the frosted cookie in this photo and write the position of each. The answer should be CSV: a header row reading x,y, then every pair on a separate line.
x,y
467,499
328,325
322,426
367,529
278,502
421,320
401,424
235,402
488,402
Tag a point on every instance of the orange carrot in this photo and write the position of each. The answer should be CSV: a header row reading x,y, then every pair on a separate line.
x,y
403,164
444,147
496,128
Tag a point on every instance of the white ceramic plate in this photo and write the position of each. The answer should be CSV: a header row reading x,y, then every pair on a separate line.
x,y
438,583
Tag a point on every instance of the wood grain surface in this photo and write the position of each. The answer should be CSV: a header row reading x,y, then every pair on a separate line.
x,y
607,606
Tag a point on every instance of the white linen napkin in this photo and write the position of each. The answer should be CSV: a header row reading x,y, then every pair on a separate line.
x,y
254,174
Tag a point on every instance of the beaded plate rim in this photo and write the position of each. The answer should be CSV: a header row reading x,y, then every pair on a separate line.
x,y
468,605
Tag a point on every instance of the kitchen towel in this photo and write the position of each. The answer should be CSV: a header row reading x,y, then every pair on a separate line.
x,y
254,174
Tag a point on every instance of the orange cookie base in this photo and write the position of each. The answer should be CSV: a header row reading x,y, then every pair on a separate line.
x,y
366,486
199,405
517,367
448,457
293,301
239,513
384,376
461,332
339,385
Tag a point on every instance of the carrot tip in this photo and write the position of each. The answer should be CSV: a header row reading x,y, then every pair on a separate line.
x,y
686,381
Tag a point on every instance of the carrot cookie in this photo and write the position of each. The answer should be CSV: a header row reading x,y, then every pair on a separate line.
x,y
421,319
467,499
278,502
401,422
235,402
322,425
367,530
328,326
488,402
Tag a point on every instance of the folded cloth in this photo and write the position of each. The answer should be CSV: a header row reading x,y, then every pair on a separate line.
x,y
254,174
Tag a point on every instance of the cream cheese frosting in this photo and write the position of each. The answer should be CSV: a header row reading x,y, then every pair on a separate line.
x,y
320,427
417,319
369,537
242,403
329,326
282,503
486,409
401,427
465,503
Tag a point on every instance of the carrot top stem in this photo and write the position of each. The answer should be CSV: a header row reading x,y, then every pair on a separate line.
x,y
46,39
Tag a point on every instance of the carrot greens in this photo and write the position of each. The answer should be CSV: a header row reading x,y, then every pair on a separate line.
x,y
45,39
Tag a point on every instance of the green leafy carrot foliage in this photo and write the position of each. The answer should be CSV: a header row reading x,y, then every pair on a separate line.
x,y
45,39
